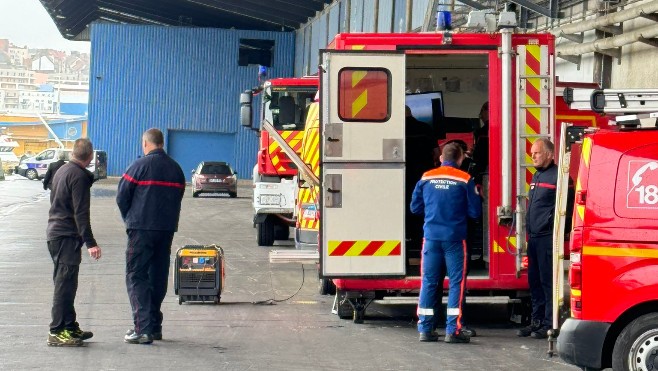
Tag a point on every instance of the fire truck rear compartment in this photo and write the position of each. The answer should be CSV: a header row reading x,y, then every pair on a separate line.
x,y
463,82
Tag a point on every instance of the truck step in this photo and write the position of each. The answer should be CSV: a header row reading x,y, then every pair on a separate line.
x,y
294,256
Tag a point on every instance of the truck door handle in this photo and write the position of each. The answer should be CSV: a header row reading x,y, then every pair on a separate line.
x,y
333,139
333,190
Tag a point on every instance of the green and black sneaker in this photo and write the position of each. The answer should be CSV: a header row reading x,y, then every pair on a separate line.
x,y
63,338
82,335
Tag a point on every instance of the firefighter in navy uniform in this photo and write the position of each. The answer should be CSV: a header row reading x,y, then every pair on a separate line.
x,y
539,224
149,198
447,197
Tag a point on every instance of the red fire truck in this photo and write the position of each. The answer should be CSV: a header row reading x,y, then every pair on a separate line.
x,y
613,274
284,103
365,82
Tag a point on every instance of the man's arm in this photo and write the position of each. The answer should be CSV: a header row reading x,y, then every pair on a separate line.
x,y
46,178
81,197
417,202
474,200
127,186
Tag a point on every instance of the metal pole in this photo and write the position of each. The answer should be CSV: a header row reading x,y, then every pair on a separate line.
x,y
348,9
376,17
407,16
506,122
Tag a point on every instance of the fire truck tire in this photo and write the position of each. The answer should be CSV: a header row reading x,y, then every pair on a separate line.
x,y
265,232
31,174
326,287
281,232
195,194
637,344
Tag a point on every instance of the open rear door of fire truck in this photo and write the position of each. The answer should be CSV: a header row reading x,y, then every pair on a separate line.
x,y
362,172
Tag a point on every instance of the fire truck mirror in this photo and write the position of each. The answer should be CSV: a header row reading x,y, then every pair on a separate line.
x,y
245,109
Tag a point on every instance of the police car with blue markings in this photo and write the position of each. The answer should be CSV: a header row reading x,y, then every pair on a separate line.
x,y
36,167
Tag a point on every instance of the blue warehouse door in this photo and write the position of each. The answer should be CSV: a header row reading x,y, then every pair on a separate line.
x,y
189,148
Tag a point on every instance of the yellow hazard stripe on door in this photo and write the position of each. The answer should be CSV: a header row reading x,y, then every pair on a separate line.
x,y
365,248
586,151
620,252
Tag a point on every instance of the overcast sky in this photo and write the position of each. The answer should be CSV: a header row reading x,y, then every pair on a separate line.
x,y
26,22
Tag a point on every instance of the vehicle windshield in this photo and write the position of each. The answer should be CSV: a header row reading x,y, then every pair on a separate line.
x,y
216,169
286,108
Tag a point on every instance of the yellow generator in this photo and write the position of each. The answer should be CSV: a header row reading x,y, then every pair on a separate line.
x,y
199,273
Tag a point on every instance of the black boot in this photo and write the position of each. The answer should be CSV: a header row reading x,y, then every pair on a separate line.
x,y
526,331
541,333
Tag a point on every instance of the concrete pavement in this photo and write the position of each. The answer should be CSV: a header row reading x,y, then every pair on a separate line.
x,y
297,334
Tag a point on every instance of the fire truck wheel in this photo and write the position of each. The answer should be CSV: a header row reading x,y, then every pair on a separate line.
x,y
265,232
636,347
281,232
326,287
31,174
195,194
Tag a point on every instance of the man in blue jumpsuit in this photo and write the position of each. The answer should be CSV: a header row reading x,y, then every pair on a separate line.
x,y
149,197
447,197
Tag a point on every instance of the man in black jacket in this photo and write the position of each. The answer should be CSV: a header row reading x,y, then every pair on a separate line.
x,y
68,228
52,169
149,198
539,223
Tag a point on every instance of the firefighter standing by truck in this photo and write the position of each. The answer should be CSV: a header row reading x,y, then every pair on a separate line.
x,y
447,197
539,222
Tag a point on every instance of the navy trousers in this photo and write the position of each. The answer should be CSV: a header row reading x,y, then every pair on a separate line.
x,y
147,275
540,278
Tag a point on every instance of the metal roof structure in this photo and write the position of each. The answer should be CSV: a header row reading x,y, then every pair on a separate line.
x,y
72,17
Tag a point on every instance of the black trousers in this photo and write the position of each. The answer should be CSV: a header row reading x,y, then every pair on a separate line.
x,y
540,278
147,274
66,256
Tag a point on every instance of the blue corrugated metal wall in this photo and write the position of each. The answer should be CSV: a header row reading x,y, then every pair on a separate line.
x,y
173,78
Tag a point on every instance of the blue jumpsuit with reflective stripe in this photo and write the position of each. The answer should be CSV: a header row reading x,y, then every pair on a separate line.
x,y
447,197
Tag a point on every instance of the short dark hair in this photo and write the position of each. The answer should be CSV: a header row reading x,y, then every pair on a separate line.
x,y
82,149
452,152
154,136
548,145
461,143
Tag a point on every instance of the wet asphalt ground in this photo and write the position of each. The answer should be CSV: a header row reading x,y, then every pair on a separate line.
x,y
246,331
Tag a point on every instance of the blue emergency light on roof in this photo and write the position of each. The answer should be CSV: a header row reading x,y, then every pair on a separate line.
x,y
262,71
443,18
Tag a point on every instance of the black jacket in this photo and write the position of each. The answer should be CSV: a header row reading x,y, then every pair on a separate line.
x,y
52,169
69,204
541,202
150,193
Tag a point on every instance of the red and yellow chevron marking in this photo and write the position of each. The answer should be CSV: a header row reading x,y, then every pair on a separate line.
x,y
532,96
294,140
363,95
365,248
581,181
311,143
510,243
306,219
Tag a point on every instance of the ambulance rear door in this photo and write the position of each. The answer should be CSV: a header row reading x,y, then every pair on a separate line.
x,y
362,173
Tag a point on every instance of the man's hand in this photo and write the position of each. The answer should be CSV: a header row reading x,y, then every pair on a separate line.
x,y
95,252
